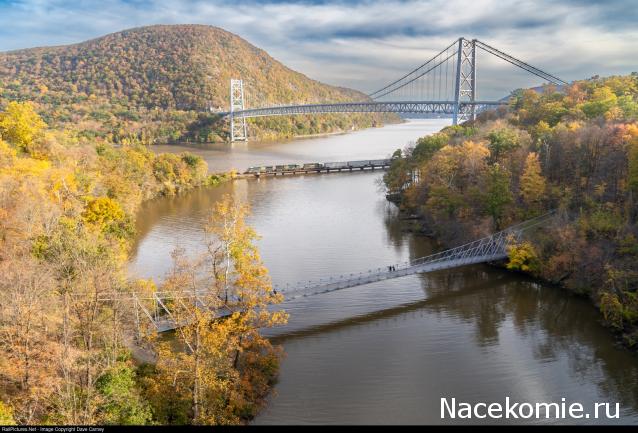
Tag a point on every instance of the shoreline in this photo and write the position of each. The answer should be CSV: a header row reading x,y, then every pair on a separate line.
x,y
406,215
275,139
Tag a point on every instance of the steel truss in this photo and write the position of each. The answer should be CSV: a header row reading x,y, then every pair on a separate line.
x,y
414,107
238,130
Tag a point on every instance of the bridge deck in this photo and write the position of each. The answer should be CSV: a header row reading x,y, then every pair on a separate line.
x,y
382,275
412,107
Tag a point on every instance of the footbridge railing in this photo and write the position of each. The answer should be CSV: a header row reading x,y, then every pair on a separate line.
x,y
487,249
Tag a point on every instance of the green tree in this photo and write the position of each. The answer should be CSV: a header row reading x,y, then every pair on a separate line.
x,y
428,146
602,100
502,141
121,403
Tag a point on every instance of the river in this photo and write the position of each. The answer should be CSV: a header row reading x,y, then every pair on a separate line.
x,y
388,352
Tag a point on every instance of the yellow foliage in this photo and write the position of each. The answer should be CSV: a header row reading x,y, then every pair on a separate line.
x,y
21,125
24,167
475,155
574,125
612,309
532,182
62,185
6,415
102,211
7,154
228,365
522,257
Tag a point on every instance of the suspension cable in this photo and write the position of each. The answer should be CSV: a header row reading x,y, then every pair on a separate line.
x,y
519,63
415,78
413,71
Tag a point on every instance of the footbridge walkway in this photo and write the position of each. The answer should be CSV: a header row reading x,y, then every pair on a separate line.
x,y
488,249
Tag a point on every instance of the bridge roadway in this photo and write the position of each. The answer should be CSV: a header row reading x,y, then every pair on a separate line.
x,y
317,167
408,107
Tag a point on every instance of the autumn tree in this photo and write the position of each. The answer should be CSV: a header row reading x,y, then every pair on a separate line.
x,y
225,366
532,183
522,257
602,100
21,125
585,135
65,231
633,167
397,177
6,415
29,354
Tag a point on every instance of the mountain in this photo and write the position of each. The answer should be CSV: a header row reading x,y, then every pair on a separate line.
x,y
158,79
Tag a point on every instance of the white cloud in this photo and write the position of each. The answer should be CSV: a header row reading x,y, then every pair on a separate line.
x,y
362,44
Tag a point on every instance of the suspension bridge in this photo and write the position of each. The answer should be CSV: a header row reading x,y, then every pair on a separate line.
x,y
156,308
446,84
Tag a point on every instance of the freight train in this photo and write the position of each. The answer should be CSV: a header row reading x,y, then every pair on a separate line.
x,y
318,166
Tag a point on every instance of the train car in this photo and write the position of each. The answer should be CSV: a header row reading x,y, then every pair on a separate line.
x,y
358,164
313,165
292,167
257,170
378,162
281,167
333,164
269,168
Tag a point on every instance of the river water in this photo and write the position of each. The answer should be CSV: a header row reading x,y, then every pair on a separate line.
x,y
388,352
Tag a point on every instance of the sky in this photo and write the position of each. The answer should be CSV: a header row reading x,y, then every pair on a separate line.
x,y
365,44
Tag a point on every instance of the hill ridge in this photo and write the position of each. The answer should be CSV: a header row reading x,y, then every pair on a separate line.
x,y
159,80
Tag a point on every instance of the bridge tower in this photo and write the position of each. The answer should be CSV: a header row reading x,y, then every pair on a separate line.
x,y
238,130
465,84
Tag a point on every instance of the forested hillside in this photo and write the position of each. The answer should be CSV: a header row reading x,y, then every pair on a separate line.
x,y
575,151
67,210
155,82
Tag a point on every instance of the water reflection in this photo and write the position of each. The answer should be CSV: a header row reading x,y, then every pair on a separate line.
x,y
536,342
